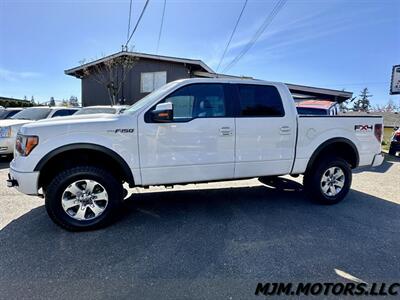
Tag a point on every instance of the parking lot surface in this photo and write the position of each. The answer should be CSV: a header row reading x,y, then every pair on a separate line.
x,y
208,241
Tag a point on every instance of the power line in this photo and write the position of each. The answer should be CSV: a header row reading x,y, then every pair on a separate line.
x,y
268,20
129,21
161,26
137,23
233,32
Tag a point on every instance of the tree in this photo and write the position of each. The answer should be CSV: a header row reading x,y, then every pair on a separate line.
x,y
33,101
362,103
111,74
52,102
64,103
344,106
390,106
73,101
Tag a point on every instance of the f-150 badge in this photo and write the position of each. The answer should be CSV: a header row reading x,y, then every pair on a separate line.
x,y
122,130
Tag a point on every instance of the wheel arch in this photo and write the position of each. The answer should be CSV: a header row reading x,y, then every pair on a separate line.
x,y
341,147
109,155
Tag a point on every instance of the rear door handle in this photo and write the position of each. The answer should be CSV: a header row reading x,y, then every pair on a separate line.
x,y
284,130
224,131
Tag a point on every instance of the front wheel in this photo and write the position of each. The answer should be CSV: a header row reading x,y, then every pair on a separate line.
x,y
329,181
83,198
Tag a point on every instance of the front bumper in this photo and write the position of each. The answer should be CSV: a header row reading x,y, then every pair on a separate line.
x,y
24,182
7,145
378,160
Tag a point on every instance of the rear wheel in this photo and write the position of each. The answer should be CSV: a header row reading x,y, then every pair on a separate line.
x,y
329,181
83,198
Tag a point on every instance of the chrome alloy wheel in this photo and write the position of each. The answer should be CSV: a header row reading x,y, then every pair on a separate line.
x,y
332,181
84,200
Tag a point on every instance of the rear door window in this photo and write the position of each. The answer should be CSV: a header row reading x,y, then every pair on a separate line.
x,y
259,101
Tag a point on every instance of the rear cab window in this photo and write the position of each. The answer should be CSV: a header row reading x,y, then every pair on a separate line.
x,y
259,101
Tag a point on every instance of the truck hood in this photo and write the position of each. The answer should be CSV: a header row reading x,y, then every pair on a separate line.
x,y
93,125
73,120
13,122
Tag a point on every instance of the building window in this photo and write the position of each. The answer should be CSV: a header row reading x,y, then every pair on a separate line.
x,y
151,81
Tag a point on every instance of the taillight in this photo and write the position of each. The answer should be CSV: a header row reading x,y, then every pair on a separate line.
x,y
378,132
396,136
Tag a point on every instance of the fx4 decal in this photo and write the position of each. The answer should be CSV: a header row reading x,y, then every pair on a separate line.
x,y
122,130
363,128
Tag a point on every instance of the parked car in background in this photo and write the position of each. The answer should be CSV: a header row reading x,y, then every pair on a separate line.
x,y
395,143
9,127
317,107
312,111
101,109
7,113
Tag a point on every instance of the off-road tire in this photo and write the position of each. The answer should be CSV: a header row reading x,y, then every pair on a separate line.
x,y
56,187
313,176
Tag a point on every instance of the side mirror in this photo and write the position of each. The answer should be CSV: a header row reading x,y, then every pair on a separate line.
x,y
163,113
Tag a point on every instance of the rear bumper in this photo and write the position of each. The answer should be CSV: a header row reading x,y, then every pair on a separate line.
x,y
7,145
24,182
378,160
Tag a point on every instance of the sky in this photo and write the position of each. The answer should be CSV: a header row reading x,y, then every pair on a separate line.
x,y
338,44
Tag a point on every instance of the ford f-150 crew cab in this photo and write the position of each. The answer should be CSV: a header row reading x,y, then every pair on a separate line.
x,y
188,131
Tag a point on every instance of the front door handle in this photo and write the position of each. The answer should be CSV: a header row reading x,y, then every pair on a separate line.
x,y
284,130
224,131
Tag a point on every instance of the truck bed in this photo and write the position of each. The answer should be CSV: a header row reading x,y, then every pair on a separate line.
x,y
312,131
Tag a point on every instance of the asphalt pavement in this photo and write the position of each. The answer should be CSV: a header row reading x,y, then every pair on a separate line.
x,y
206,241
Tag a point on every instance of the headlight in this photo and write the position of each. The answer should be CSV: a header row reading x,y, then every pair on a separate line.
x,y
24,144
5,131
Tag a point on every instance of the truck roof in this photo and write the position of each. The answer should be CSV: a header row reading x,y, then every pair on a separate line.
x,y
296,89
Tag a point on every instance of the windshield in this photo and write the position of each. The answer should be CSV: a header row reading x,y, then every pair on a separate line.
x,y
311,111
96,110
32,113
150,98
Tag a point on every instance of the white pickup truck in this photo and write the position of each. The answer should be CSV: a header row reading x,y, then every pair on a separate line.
x,y
188,131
